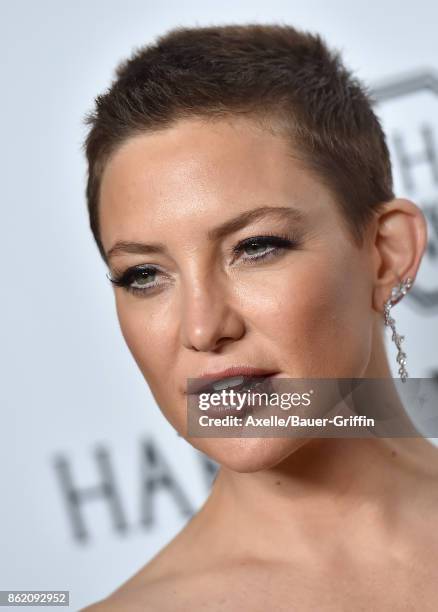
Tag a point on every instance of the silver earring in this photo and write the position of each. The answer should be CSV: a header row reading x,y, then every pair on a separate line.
x,y
397,293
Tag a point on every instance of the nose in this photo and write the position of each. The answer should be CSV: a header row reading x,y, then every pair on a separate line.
x,y
208,319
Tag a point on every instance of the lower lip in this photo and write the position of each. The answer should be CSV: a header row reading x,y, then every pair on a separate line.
x,y
223,411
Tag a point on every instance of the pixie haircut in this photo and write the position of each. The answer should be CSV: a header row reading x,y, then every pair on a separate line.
x,y
286,80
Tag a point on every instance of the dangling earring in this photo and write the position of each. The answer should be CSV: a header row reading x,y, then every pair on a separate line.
x,y
397,293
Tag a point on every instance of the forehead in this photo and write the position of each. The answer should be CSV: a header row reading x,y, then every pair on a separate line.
x,y
199,168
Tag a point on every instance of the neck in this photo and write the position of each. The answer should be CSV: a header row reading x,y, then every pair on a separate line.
x,y
330,492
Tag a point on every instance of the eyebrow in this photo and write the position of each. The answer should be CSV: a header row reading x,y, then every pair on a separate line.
x,y
228,227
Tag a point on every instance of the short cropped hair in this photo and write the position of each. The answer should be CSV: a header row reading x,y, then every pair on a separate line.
x,y
285,78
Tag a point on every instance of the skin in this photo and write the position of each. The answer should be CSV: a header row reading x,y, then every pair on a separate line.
x,y
290,524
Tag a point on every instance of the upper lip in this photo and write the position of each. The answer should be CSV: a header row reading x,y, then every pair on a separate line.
x,y
205,380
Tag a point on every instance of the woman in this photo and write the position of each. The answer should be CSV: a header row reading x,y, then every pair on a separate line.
x,y
240,192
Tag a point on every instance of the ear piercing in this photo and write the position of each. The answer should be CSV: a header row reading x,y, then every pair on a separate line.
x,y
397,293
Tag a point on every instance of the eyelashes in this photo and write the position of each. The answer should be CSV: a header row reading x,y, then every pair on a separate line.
x,y
275,242
144,279
141,276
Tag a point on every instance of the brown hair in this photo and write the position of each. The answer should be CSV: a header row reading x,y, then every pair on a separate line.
x,y
273,73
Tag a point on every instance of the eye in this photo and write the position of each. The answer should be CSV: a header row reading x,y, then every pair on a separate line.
x,y
266,246
143,280
139,279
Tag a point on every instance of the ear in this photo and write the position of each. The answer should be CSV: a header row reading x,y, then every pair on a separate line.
x,y
400,240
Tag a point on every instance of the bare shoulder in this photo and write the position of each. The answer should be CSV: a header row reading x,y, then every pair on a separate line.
x,y
105,605
146,594
130,601
209,588
158,585
139,593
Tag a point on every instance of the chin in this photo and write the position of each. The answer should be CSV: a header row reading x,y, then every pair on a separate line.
x,y
247,455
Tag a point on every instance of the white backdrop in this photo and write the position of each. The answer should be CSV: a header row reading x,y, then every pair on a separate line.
x,y
75,410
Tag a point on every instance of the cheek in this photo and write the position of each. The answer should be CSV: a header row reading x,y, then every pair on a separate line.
x,y
316,318
144,329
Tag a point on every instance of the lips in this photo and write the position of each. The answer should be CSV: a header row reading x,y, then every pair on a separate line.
x,y
237,377
242,404
237,383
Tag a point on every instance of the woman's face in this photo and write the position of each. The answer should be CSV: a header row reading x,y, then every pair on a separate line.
x,y
297,304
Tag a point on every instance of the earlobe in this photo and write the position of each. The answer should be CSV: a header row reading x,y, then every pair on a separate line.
x,y
400,242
